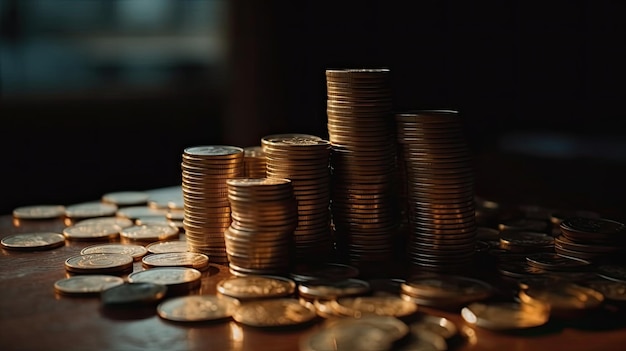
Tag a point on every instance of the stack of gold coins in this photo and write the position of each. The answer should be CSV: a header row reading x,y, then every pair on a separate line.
x,y
264,215
440,187
363,164
305,160
205,170
254,162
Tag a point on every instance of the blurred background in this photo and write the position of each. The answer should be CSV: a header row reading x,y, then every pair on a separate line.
x,y
104,95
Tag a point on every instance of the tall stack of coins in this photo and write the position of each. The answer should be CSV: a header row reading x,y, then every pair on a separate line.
x,y
305,160
205,170
361,130
440,187
254,162
264,215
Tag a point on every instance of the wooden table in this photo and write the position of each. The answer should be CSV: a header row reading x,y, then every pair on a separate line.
x,y
33,317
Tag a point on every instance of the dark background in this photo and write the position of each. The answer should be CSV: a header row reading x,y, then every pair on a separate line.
x,y
532,80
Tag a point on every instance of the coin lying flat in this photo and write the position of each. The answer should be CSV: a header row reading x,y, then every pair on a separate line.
x,y
439,325
197,308
368,334
336,271
120,221
99,263
85,285
90,210
136,251
506,315
167,246
331,289
133,294
33,241
92,232
176,259
176,279
126,198
39,212
278,312
565,299
254,287
360,306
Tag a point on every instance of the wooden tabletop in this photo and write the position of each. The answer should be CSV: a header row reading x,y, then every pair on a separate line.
x,y
34,317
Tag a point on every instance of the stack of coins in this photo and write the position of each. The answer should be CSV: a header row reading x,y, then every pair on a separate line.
x,y
363,164
254,162
205,170
440,190
305,160
589,238
264,215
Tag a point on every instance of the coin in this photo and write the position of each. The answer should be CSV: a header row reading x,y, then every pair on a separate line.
x,y
612,290
555,261
256,287
92,231
143,211
85,285
439,325
149,233
99,263
503,315
39,211
197,308
135,251
167,246
359,306
329,270
33,241
277,312
176,259
90,210
176,279
120,221
328,289
133,294
564,299
126,198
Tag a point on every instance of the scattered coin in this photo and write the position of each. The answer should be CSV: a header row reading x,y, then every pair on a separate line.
x,y
135,251
197,308
126,198
33,241
120,221
439,325
92,232
506,315
85,285
148,233
176,259
90,210
332,289
133,294
167,246
39,212
99,263
358,306
256,287
278,312
566,300
178,280
329,271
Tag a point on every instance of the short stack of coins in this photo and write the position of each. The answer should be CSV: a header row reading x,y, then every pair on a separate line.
x,y
205,170
361,130
259,240
254,162
305,159
440,190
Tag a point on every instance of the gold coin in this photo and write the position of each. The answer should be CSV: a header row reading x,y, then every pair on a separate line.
x,y
197,308
33,241
39,211
135,251
278,312
256,287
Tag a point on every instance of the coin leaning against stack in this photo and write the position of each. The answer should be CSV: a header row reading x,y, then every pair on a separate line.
x,y
264,215
440,190
205,170
363,163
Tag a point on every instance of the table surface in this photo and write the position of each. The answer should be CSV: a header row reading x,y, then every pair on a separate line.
x,y
33,317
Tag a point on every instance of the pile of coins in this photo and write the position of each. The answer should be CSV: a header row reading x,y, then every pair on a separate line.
x,y
205,170
440,190
304,159
363,163
264,216
592,239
